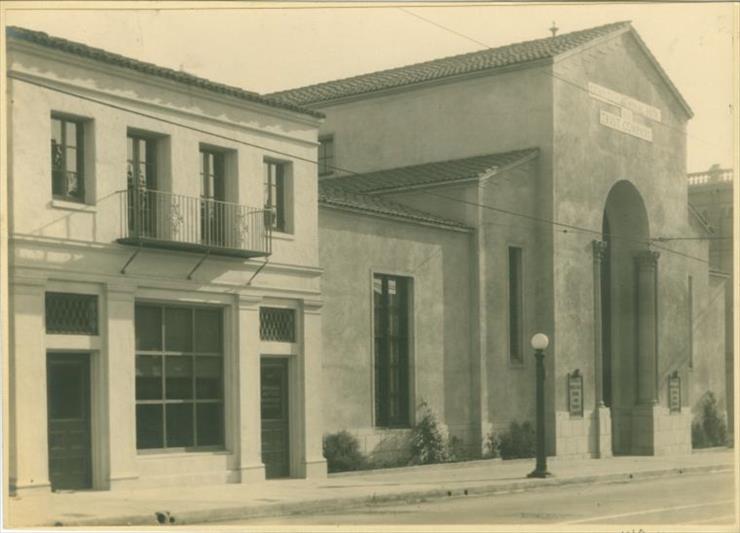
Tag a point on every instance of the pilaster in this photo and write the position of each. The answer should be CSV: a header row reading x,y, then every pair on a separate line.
x,y
119,371
314,464
28,443
647,263
248,430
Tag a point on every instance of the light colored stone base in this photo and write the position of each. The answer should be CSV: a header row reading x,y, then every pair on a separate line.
x,y
252,473
315,469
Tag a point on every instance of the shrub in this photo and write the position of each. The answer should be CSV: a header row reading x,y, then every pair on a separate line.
x,y
342,452
518,442
428,440
709,427
492,446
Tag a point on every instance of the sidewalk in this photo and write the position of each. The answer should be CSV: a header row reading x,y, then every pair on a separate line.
x,y
189,505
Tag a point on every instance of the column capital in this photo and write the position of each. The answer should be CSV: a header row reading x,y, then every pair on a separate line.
x,y
647,259
248,301
312,305
599,249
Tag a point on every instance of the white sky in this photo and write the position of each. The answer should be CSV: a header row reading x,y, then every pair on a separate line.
x,y
272,46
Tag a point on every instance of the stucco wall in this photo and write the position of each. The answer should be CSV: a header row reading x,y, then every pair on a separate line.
x,y
34,214
353,247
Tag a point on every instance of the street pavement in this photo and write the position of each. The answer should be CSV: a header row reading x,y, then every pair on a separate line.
x,y
197,504
699,500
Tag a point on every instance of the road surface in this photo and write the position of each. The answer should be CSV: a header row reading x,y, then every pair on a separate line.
x,y
698,499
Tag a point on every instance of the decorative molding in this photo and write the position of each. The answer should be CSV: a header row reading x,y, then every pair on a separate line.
x,y
599,250
647,259
312,306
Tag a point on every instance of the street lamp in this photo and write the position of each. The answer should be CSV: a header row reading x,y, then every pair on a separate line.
x,y
539,343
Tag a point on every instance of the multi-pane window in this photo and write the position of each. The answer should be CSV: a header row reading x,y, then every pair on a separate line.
x,y
179,377
275,189
71,314
391,295
67,154
516,354
326,155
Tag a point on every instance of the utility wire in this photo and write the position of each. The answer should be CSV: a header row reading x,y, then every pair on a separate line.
x,y
554,76
314,162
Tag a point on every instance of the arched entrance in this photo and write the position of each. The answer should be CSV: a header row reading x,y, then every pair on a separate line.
x,y
628,320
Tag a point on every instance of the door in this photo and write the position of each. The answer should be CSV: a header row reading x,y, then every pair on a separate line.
x,y
274,408
68,415
212,206
142,187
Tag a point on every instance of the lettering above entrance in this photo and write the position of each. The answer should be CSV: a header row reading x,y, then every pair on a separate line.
x,y
625,121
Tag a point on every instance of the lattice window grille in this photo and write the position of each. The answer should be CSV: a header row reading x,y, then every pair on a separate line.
x,y
71,314
277,324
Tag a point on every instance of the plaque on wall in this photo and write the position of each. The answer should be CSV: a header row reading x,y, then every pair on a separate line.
x,y
575,393
674,393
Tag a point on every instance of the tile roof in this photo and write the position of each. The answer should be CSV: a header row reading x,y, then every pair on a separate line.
x,y
98,54
333,196
445,67
429,173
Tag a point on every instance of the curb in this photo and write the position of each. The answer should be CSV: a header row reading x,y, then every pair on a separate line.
x,y
342,504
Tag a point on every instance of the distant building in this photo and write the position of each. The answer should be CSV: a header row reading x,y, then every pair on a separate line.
x,y
710,193
540,180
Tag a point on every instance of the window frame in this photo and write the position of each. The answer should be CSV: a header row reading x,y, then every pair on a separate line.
x,y
326,163
515,359
279,220
79,147
163,354
382,418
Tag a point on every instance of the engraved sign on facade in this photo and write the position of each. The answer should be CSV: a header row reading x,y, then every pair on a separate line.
x,y
622,100
575,393
674,393
629,107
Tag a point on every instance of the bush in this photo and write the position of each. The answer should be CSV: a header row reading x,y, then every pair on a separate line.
x,y
709,427
492,446
518,442
342,452
428,441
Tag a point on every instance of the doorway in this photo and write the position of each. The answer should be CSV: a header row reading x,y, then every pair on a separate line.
x,y
68,416
275,418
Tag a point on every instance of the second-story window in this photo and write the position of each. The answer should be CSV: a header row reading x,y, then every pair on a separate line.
x,y
67,156
213,218
326,155
275,193
142,184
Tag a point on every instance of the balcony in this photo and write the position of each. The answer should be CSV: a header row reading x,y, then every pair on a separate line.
x,y
159,219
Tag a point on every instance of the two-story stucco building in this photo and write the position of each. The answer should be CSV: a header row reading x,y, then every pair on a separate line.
x,y
564,160
165,296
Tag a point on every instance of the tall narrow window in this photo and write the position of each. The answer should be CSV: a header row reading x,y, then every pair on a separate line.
x,y
326,155
141,180
213,219
275,185
67,179
392,322
516,354
691,321
179,377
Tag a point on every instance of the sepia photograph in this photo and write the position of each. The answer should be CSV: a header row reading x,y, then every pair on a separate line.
x,y
369,266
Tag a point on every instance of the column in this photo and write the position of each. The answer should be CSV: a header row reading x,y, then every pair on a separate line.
x,y
647,263
119,393
314,463
248,430
28,443
602,414
599,250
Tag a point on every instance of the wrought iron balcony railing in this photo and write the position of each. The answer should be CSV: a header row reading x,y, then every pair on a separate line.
x,y
173,221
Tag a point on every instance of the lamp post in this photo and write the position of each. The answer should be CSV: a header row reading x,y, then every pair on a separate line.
x,y
539,343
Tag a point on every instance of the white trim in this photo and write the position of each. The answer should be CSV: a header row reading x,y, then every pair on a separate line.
x,y
73,206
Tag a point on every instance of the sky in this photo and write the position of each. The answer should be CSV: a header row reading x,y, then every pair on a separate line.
x,y
273,46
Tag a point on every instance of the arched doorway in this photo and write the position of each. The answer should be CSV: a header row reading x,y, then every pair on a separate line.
x,y
628,321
